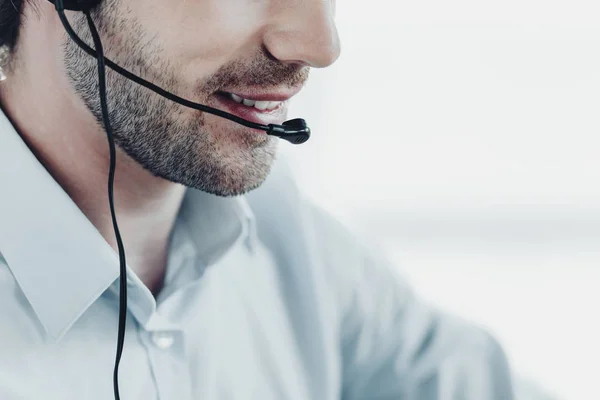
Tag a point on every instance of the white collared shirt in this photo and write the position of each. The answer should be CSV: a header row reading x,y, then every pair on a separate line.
x,y
266,297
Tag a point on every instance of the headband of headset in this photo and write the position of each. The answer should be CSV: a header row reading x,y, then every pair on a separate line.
x,y
78,5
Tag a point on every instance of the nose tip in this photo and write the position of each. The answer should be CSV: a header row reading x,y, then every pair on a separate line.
x,y
327,50
308,35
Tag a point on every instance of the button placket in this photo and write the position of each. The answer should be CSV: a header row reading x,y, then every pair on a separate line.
x,y
167,362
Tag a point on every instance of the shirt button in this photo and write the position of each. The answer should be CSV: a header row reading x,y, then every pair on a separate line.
x,y
163,340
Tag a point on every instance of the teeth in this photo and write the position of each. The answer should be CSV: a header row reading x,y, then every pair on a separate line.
x,y
262,105
259,105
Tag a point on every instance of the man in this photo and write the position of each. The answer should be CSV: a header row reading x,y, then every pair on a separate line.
x,y
238,288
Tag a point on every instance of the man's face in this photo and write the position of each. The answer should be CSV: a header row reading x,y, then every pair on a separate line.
x,y
201,50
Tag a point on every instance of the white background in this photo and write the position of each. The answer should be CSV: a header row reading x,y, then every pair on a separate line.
x,y
465,137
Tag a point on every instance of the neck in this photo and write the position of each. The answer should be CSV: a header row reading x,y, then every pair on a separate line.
x,y
74,149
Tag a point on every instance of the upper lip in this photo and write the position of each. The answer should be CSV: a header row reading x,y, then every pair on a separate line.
x,y
280,94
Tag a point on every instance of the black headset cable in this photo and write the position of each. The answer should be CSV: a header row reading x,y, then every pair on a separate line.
x,y
99,55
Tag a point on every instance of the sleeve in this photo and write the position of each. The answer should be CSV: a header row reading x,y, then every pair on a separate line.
x,y
397,347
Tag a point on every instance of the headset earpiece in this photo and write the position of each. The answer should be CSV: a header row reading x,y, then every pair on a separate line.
x,y
78,5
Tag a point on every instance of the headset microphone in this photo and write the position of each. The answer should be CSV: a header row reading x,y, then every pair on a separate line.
x,y
294,131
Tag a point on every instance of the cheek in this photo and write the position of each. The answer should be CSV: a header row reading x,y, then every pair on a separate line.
x,y
211,30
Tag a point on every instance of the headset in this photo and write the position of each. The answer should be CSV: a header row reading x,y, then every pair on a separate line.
x,y
295,131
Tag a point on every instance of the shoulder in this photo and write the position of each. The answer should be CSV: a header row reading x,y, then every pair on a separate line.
x,y
382,322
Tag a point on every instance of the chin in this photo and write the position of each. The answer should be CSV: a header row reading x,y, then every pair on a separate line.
x,y
233,165
242,173
235,181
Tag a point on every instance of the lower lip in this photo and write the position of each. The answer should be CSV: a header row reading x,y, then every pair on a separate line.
x,y
266,117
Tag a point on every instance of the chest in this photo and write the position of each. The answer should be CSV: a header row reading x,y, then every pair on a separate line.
x,y
229,339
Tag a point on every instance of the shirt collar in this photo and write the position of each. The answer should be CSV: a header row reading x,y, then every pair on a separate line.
x,y
57,256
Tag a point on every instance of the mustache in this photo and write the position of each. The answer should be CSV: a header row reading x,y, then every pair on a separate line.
x,y
261,71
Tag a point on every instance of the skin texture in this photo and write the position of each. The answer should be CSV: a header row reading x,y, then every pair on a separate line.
x,y
192,48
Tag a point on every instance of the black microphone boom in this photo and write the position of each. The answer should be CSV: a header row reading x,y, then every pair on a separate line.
x,y
294,131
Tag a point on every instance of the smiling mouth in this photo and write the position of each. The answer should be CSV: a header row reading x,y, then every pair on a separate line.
x,y
257,105
225,101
